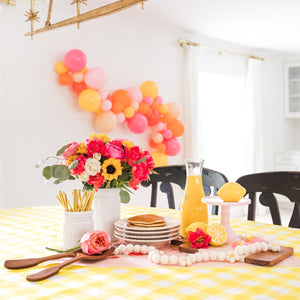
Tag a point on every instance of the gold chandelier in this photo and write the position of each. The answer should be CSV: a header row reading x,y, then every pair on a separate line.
x,y
109,9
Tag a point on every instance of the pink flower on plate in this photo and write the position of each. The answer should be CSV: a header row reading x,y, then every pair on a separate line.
x,y
115,151
95,242
71,149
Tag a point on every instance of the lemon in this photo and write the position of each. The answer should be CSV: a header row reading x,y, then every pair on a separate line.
x,y
194,226
218,234
231,192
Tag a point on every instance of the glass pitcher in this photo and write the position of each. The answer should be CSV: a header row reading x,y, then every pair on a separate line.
x,y
192,209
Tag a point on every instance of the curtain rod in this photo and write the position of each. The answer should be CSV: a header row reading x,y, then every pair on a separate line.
x,y
9,2
189,43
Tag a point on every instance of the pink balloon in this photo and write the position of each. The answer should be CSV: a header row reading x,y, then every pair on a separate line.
x,y
75,60
95,78
159,99
148,100
106,105
120,117
105,121
137,124
173,147
135,94
103,93
167,134
160,126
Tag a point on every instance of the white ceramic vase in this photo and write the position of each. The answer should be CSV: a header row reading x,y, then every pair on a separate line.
x,y
106,210
75,225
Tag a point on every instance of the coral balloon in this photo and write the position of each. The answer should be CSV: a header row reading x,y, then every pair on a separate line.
x,y
149,88
137,124
77,77
105,121
121,96
60,68
176,127
161,147
95,78
173,147
64,79
152,144
129,112
106,105
143,108
155,105
153,117
148,100
135,94
174,110
89,100
78,87
160,159
75,60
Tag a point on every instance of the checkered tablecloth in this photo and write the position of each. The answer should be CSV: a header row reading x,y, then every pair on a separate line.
x,y
26,232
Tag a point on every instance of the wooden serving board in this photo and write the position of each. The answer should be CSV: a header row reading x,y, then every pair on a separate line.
x,y
269,258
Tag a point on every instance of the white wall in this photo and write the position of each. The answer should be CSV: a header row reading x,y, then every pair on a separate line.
x,y
38,115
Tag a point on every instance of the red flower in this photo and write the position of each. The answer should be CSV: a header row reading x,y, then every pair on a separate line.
x,y
133,154
134,183
96,146
199,239
96,181
81,164
149,160
140,171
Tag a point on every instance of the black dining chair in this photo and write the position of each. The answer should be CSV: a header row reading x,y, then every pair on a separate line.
x,y
268,183
212,180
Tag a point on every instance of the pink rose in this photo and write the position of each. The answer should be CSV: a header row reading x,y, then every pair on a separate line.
x,y
71,149
95,242
115,151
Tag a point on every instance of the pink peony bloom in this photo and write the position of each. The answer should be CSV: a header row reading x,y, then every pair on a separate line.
x,y
71,149
96,146
95,242
133,154
140,171
115,151
81,165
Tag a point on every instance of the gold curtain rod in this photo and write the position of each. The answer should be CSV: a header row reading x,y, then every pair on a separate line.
x,y
189,43
9,2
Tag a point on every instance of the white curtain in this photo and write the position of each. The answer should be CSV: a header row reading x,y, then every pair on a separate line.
x,y
193,134
254,113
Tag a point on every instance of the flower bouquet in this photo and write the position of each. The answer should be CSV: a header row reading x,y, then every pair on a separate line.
x,y
100,162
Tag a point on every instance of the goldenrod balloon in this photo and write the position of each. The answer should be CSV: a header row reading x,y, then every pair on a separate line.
x,y
149,88
160,159
89,100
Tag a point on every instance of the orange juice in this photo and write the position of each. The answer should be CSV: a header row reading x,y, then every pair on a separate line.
x,y
192,208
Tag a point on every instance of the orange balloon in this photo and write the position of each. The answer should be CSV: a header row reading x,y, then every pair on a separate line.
x,y
89,100
117,107
163,108
143,108
60,68
98,110
176,127
129,112
64,79
105,121
149,88
166,118
78,87
155,105
161,147
121,96
160,159
84,70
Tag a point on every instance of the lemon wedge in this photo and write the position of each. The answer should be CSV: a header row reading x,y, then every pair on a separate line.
x,y
194,226
231,192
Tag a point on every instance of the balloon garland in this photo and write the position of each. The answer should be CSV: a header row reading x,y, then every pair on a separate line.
x,y
139,107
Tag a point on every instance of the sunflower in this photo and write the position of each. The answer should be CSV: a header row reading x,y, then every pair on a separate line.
x,y
111,169
99,137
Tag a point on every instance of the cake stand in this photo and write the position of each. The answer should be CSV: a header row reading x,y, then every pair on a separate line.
x,y
225,214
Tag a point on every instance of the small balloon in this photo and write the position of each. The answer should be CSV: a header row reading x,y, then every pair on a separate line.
x,y
161,147
64,79
158,138
103,93
89,100
143,108
135,105
167,134
117,107
176,127
120,117
129,112
77,77
155,105
95,78
60,68
105,121
153,117
152,144
160,159
173,146
78,87
163,108
75,60
148,100
106,105
159,100
137,124
160,126
135,94
149,88
121,96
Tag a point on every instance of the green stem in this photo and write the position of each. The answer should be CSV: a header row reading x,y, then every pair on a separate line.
x,y
63,251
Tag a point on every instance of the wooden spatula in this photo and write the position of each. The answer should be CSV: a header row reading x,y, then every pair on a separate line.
x,y
55,269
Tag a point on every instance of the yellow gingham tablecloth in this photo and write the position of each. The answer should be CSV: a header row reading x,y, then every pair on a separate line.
x,y
26,232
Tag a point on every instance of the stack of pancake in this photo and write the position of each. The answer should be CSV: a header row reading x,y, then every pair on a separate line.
x,y
146,221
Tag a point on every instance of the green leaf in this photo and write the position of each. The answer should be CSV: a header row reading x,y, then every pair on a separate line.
x,y
141,160
47,172
154,172
71,177
62,150
61,172
73,165
41,162
57,181
125,197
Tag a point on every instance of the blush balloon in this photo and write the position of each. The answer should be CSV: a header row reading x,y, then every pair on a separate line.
x,y
172,147
75,60
138,123
106,105
105,121
95,78
135,94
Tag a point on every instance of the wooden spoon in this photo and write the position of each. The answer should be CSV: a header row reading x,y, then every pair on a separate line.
x,y
30,262
55,269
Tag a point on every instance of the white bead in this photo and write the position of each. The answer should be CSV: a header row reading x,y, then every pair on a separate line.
x,y
161,252
274,248
151,248
129,248
156,258
221,256
242,259
270,246
205,256
258,246
116,251
164,259
182,261
198,257
252,248
137,248
264,246
188,260
173,259
231,260
239,250
122,249
236,257
245,250
144,249
192,257
213,255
